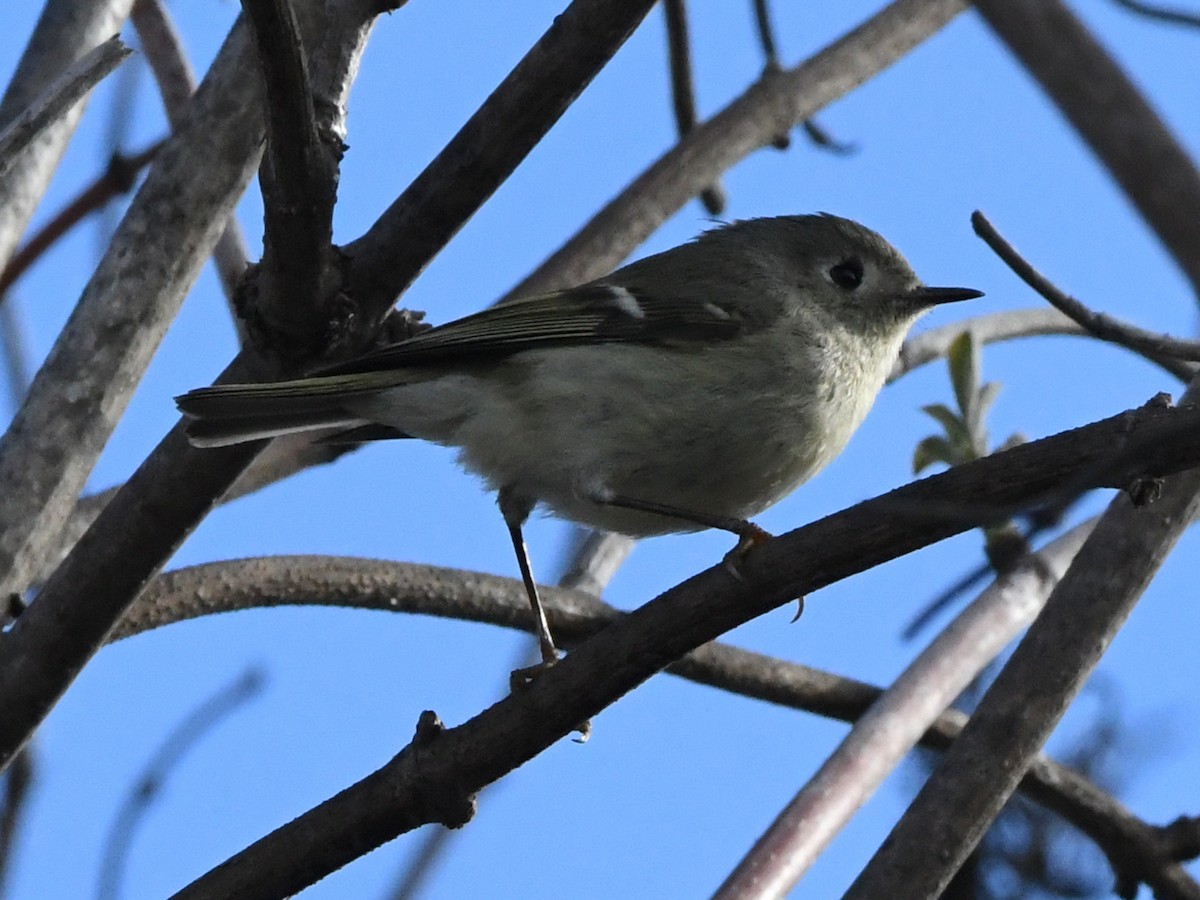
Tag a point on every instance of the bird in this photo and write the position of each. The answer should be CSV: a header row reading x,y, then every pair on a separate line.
x,y
690,389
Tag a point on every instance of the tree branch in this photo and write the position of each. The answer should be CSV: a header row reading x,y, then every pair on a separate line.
x,y
575,615
1021,708
155,255
1111,115
436,777
299,179
66,30
771,106
59,99
883,736
398,246
1106,328
163,49
931,345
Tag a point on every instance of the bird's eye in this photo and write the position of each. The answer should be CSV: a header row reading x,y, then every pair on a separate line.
x,y
847,274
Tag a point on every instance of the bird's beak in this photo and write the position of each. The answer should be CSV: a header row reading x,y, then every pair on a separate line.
x,y
935,296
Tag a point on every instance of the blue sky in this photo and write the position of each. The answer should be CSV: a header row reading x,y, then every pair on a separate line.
x,y
677,779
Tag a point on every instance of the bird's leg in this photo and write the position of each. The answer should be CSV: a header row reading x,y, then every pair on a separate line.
x,y
749,535
516,510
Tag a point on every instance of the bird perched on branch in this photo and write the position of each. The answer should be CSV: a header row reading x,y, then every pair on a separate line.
x,y
688,390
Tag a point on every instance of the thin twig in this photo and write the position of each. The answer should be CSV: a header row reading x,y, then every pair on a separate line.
x,y
149,785
1161,13
683,90
1102,326
58,99
932,345
17,781
118,178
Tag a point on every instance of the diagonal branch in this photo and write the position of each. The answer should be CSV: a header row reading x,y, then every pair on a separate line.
x,y
398,246
1111,115
772,106
1031,693
1099,325
883,736
575,615
436,777
164,52
59,99
66,30
125,309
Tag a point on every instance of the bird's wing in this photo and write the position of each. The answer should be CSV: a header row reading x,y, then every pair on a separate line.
x,y
592,314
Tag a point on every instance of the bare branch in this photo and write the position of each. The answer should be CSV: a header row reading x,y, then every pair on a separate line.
x,y
1111,115
117,179
1161,13
66,30
386,260
683,90
993,328
773,105
299,181
154,257
1033,690
1104,327
198,723
436,778
164,52
233,585
59,99
883,736
172,489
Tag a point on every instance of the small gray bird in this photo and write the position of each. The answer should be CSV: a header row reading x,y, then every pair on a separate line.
x,y
690,389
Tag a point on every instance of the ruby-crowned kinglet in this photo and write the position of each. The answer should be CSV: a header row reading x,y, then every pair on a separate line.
x,y
690,389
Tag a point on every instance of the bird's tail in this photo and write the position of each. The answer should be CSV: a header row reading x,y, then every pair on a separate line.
x,y
235,413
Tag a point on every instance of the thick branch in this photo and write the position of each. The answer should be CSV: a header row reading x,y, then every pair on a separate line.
x,y
386,260
1021,708
155,255
164,52
772,106
299,182
1111,115
435,778
576,615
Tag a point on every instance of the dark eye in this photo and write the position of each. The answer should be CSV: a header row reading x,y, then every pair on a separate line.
x,y
847,274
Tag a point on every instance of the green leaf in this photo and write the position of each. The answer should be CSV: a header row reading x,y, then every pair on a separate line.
x,y
956,430
933,449
983,402
963,360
